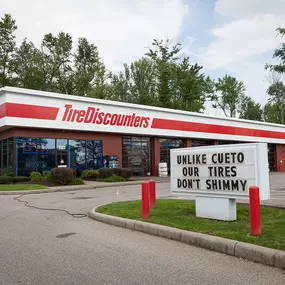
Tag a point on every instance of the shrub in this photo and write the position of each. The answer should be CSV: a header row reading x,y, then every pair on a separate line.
x,y
116,171
127,173
77,181
36,176
6,179
105,172
62,175
74,172
90,174
46,176
114,179
20,179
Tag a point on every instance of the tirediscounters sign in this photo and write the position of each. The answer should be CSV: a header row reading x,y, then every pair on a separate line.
x,y
225,171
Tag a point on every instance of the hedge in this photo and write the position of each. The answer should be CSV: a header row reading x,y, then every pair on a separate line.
x,y
36,176
20,179
126,173
105,172
77,181
6,179
114,179
90,174
62,175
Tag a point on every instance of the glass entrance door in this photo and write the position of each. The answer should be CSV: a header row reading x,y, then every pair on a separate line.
x,y
137,155
61,158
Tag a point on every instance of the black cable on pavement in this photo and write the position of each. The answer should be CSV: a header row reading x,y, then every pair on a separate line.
x,y
26,203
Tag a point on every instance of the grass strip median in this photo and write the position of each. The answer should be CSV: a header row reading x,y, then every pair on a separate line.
x,y
22,187
181,214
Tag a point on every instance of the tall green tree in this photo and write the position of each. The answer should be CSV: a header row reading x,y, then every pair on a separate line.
x,y
28,60
119,87
278,54
89,71
250,110
7,49
164,56
276,92
55,61
142,87
227,94
190,86
271,114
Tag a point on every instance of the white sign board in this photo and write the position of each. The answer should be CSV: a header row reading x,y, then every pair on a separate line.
x,y
222,171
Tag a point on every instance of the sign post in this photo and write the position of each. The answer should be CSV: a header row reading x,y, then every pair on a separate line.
x,y
219,175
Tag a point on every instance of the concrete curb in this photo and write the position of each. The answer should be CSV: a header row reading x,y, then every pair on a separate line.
x,y
266,256
73,188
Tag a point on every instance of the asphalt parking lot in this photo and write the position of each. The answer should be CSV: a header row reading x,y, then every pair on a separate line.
x,y
52,247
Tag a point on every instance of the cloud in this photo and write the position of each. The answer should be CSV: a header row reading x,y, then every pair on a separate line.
x,y
241,39
120,29
239,8
241,45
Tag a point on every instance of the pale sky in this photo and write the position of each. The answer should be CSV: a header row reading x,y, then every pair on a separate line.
x,y
235,37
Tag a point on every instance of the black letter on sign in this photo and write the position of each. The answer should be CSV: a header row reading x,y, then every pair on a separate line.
x,y
240,157
235,185
208,182
179,184
243,184
179,159
234,172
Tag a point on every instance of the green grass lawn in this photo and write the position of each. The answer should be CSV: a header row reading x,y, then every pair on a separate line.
x,y
21,187
181,214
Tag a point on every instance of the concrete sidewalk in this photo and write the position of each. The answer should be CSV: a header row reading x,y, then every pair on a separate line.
x,y
89,185
96,184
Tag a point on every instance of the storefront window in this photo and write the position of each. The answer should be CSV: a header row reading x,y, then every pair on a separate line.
x,y
26,156
94,154
10,157
46,154
77,155
4,167
40,154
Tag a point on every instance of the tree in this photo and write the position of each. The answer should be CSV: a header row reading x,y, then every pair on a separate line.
x,y
90,73
227,95
139,79
190,86
179,83
164,57
279,53
249,109
271,114
119,87
55,61
28,66
276,92
7,49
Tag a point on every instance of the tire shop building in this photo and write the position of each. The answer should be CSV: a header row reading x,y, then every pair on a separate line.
x,y
41,130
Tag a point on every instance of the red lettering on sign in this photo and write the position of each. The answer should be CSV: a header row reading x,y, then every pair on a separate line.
x,y
94,116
